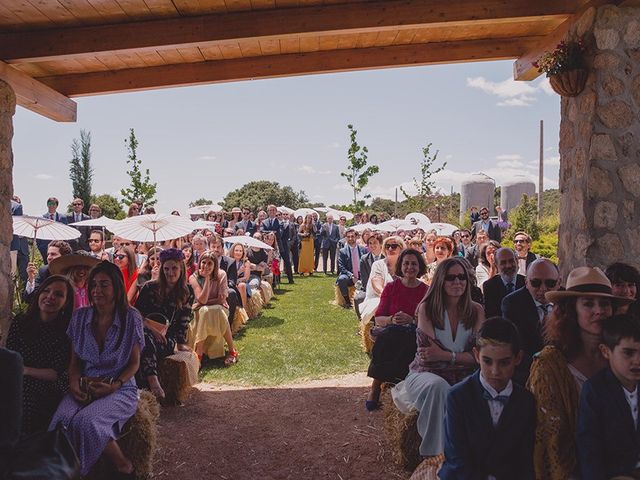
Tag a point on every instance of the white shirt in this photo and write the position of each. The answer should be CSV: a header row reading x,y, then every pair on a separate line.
x,y
522,265
540,308
632,400
495,407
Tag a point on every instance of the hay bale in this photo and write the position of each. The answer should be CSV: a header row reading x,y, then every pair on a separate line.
x,y
138,441
428,469
366,342
176,375
402,432
266,290
339,299
240,319
254,307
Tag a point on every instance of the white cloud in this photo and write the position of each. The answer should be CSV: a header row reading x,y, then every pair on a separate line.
x,y
521,101
313,171
545,86
334,145
512,93
552,160
509,156
43,176
206,158
448,157
510,164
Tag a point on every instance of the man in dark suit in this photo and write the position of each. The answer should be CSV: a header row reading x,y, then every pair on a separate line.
x,y
488,225
317,242
330,236
52,214
217,247
271,224
35,276
374,244
522,244
20,245
507,281
77,215
246,224
349,265
293,244
528,309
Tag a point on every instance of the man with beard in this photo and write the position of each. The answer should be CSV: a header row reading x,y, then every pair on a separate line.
x,y
507,281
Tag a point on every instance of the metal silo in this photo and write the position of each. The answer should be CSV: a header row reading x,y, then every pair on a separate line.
x,y
476,190
512,190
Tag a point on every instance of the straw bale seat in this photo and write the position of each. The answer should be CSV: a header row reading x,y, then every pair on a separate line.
x,y
339,299
178,373
366,342
255,304
402,432
428,469
266,290
240,319
138,440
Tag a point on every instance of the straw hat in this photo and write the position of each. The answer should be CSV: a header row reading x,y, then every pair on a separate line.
x,y
586,282
62,265
236,210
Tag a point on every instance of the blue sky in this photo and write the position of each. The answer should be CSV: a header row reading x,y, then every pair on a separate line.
x,y
206,141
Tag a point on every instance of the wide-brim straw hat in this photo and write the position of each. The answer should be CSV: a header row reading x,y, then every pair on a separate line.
x,y
62,265
587,282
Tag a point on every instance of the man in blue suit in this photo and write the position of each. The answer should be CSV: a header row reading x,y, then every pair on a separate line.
x,y
349,265
20,244
77,215
51,214
317,242
272,224
330,236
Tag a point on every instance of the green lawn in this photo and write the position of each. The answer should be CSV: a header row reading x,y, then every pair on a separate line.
x,y
299,336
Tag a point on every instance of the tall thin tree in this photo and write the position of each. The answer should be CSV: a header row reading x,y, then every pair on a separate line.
x,y
80,171
141,187
358,173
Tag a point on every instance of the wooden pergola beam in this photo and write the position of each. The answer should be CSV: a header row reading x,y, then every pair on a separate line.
x,y
282,23
36,96
287,65
523,68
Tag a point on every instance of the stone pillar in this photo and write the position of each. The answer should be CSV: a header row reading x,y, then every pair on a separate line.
x,y
600,145
7,110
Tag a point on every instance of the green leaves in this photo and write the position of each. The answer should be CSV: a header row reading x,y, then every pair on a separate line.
x,y
141,187
80,170
424,186
257,195
357,175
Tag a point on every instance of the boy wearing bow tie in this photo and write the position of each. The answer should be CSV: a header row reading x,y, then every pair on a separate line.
x,y
490,420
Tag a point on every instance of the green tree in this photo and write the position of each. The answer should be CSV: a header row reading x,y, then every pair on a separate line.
x,y
110,205
257,195
384,205
424,186
358,173
525,217
200,201
141,186
80,172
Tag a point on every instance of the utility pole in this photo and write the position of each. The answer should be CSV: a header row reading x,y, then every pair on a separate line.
x,y
541,172
395,206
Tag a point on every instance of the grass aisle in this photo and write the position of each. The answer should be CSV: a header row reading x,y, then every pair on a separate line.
x,y
299,336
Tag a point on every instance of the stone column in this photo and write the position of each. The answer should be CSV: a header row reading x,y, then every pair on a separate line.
x,y
7,110
600,145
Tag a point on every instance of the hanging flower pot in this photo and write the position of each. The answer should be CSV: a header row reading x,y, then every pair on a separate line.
x,y
570,83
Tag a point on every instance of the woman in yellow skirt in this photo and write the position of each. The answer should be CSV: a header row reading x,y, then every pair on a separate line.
x,y
210,327
307,234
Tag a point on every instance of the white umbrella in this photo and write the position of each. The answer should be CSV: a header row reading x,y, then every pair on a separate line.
x,y
396,224
445,229
284,209
303,212
322,209
42,229
340,213
416,217
202,209
361,227
95,222
247,241
156,227
202,224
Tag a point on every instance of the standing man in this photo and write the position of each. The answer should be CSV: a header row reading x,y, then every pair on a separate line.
x,y
291,227
488,225
77,215
528,309
317,242
349,266
522,244
19,244
271,224
51,214
507,281
246,224
330,236
465,243
473,252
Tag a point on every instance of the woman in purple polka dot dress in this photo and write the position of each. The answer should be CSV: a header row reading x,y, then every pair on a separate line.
x,y
106,340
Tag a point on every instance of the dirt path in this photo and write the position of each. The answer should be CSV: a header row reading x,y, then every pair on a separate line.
x,y
315,430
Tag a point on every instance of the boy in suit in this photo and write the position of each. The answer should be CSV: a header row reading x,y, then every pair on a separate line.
x,y
608,437
490,421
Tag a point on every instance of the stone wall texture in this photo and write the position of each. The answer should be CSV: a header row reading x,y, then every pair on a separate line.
x,y
7,110
600,145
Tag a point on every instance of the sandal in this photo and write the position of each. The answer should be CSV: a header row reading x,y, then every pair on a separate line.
x,y
231,358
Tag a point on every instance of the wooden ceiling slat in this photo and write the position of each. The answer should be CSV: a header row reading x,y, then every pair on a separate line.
x,y
328,42
170,56
109,9
211,53
263,4
29,14
192,54
213,6
34,70
112,61
367,39
187,7
230,50
8,17
238,5
161,7
290,45
135,9
385,38
270,46
404,37
309,44
92,64
250,48
287,3
55,11
131,59
82,10
347,42
151,58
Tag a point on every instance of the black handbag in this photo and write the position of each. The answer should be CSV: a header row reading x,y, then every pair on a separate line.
x,y
44,456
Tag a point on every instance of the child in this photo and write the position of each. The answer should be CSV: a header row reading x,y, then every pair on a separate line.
x,y
490,421
608,435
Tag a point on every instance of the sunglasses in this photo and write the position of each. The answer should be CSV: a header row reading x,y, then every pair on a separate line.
x,y
451,277
536,283
464,236
519,241
119,256
122,244
51,203
94,240
392,246
77,204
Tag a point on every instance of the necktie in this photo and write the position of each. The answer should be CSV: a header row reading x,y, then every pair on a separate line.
x,y
51,216
355,262
546,309
503,399
510,287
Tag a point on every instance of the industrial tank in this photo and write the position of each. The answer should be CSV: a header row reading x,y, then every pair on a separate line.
x,y
512,190
476,190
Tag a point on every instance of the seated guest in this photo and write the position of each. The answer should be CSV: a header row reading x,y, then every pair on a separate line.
x,y
522,244
273,258
607,438
11,376
39,335
35,276
95,211
447,322
259,262
529,310
499,286
125,260
76,267
465,243
486,267
572,333
165,305
246,225
374,245
490,421
149,270
200,244
233,297
442,248
190,264
395,325
96,245
239,271
235,217
106,339
474,250
429,242
349,266
382,273
211,323
624,283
